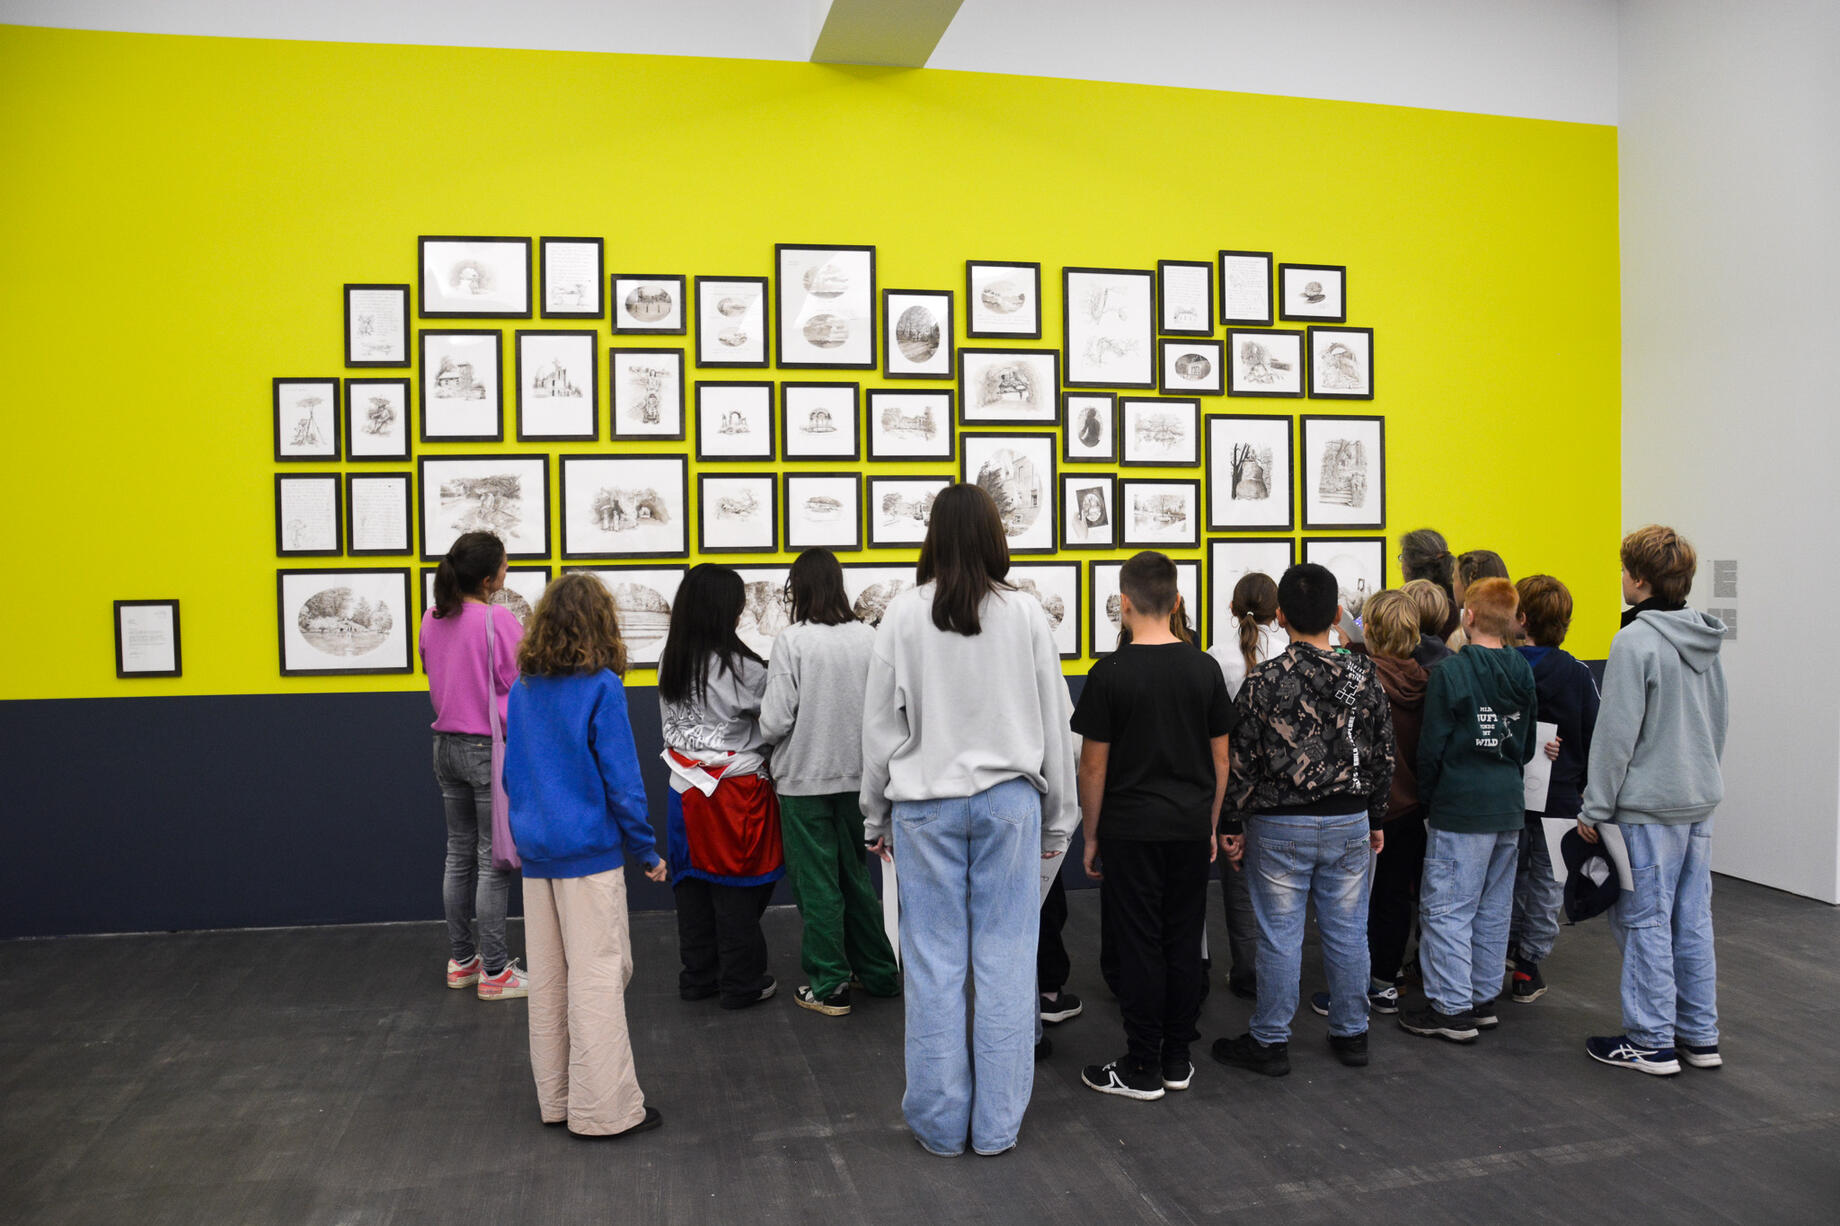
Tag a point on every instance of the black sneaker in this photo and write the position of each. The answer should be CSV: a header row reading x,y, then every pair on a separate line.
x,y
754,998
1432,1023
837,1004
1699,1055
1064,1007
1177,1071
1484,1013
654,1118
1528,986
1350,1049
1271,1059
1121,1078
1044,1047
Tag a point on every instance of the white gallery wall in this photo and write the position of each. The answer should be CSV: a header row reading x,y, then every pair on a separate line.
x,y
1729,155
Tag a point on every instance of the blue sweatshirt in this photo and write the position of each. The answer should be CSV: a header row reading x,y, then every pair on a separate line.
x,y
572,776
1567,696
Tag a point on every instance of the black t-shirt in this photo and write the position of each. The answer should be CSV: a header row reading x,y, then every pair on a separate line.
x,y
1159,708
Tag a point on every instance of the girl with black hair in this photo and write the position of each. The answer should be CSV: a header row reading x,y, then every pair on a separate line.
x,y
469,650
723,818
812,716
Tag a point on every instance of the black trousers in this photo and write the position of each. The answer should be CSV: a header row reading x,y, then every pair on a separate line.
x,y
1052,966
1242,926
1155,900
720,941
1394,900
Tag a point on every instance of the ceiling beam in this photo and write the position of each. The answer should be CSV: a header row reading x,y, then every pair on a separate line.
x,y
898,33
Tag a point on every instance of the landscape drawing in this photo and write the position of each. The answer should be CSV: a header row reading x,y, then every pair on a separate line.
x,y
645,617
620,510
917,333
491,502
337,621
1158,515
1161,434
871,604
921,423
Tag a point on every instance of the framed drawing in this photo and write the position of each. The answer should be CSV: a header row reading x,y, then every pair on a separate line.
x,y
1342,363
1089,511
731,321
558,391
819,421
507,495
910,425
1228,563
1109,324
1156,512
569,277
869,586
463,277
1008,387
376,419
1089,423
647,398
344,621
1245,288
900,509
826,306
649,304
918,339
642,599
147,638
1185,297
1358,562
306,419
1343,473
1017,470
1057,586
1313,291
1105,620
376,325
307,522
737,513
766,607
625,506
734,420
377,513
1163,433
1191,367
523,588
1002,300
461,387
823,509
1249,473
1264,363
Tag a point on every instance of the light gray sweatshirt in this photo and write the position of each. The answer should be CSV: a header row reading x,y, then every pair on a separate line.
x,y
951,715
727,720
812,712
1661,728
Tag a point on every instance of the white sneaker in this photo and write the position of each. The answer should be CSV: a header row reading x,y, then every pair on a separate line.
x,y
508,984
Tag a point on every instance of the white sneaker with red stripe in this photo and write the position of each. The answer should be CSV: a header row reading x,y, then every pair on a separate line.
x,y
464,974
508,984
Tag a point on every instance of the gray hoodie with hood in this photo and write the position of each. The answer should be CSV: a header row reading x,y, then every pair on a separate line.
x,y
1661,728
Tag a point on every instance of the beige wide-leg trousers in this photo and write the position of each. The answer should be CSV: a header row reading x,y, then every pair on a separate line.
x,y
580,952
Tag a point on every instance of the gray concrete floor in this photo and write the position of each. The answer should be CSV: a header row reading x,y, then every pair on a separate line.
x,y
325,1076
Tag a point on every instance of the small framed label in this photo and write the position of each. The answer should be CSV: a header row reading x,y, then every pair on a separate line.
x,y
147,638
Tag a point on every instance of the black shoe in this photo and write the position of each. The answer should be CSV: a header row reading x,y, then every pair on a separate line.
x,y
1528,986
1428,1021
1271,1059
653,1119
1245,989
696,993
1485,1015
1124,1079
1350,1049
837,1004
753,998
1044,1047
1064,1007
1178,1072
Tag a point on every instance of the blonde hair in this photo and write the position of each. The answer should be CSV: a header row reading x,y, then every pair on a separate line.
x,y
1433,604
1390,623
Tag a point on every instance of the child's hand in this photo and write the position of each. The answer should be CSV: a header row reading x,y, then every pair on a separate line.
x,y
657,872
1552,749
880,848
1586,831
1376,839
1234,847
1091,861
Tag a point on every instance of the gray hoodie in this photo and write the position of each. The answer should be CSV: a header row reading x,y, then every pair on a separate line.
x,y
812,712
1661,728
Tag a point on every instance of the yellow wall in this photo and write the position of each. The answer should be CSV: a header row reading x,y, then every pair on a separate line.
x,y
180,214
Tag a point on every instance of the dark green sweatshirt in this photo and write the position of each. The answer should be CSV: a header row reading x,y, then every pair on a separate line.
x,y
1478,733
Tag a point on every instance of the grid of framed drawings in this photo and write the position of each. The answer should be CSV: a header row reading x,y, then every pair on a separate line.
x,y
649,430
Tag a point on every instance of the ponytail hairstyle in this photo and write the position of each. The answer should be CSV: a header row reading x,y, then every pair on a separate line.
x,y
703,620
965,555
814,589
464,570
1424,554
1255,604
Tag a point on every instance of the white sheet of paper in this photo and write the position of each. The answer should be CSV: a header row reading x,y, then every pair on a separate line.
x,y
1536,776
147,642
891,909
1614,847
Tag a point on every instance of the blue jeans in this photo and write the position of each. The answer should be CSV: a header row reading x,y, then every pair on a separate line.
x,y
1464,905
470,885
970,881
1537,895
1290,860
1670,982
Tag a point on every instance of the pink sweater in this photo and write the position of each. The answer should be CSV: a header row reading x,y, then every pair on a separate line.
x,y
454,654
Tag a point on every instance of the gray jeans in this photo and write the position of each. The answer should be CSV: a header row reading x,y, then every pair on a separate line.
x,y
463,768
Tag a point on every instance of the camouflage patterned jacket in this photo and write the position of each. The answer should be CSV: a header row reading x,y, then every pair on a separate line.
x,y
1315,734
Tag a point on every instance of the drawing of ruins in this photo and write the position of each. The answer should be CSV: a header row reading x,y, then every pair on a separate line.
x,y
454,381
818,421
919,424
1343,479
552,380
492,503
1256,365
1010,479
1251,473
620,510
915,508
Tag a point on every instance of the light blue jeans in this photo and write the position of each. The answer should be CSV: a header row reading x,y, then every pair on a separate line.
x,y
1670,982
1292,859
970,882
1537,895
1464,904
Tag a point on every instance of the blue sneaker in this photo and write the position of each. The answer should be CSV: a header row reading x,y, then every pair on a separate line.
x,y
1384,1000
1699,1055
1619,1051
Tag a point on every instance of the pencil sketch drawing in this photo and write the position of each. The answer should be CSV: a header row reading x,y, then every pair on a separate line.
x,y
647,383
307,431
742,506
1251,473
1194,367
873,603
552,380
649,303
1257,365
917,333
736,422
1090,429
491,503
921,423
338,622
1154,513
520,608
1052,603
826,281
1343,477
455,381
827,331
1005,296
645,615
1160,433
1338,367
379,416
471,278
620,510
1013,482
912,509
765,611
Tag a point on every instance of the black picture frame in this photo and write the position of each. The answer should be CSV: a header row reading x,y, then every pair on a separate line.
x,y
1202,325
399,322
678,483
941,402
1213,352
1233,302
1073,372
508,253
622,285
1310,484
1219,596
400,619
705,512
1185,409
944,341
761,389
591,395
1075,427
598,309
971,365
322,445
538,515
878,486
1070,566
796,390
433,381
285,550
748,353
394,435
1042,442
866,300
617,399
1262,375
406,479
1298,308
977,308
1221,469
122,670
1323,342
1074,487
1130,539
800,540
